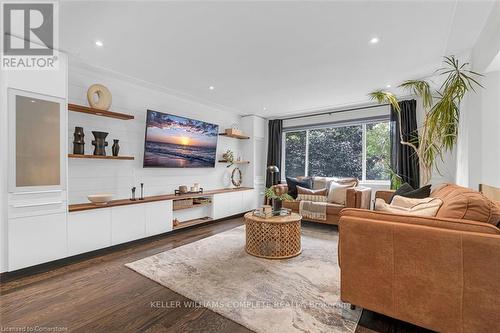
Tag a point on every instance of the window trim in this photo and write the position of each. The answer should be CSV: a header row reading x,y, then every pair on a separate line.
x,y
357,122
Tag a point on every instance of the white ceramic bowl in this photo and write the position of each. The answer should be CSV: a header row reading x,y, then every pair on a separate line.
x,y
100,199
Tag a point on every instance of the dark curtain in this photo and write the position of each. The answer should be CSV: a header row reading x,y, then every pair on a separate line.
x,y
404,160
274,149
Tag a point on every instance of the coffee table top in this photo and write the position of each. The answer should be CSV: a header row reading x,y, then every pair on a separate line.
x,y
293,217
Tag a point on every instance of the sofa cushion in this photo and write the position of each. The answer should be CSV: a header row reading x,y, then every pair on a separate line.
x,y
324,182
311,195
293,182
409,206
337,193
406,190
463,203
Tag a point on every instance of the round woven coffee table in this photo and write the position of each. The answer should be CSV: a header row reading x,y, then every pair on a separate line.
x,y
277,237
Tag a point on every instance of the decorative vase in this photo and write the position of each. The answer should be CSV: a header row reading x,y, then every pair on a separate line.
x,y
115,149
99,143
277,204
78,141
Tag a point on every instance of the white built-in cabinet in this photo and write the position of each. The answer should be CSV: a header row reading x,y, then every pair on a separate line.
x,y
36,239
89,230
233,203
158,217
95,229
37,199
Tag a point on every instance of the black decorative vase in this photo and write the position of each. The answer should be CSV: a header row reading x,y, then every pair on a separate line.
x,y
277,204
99,143
78,141
115,149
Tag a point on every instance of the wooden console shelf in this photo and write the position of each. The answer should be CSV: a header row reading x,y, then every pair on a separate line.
x,y
235,136
101,157
191,223
235,162
97,112
192,206
123,202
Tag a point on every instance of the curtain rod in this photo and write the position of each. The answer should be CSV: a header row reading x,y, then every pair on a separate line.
x,y
335,111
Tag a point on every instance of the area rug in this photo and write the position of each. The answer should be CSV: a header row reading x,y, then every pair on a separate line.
x,y
300,294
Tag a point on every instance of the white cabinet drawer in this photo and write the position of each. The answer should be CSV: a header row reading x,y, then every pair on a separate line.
x,y
89,230
33,203
26,209
127,223
36,239
158,217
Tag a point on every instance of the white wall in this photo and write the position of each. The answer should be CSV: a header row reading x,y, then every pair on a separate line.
x,y
88,176
490,129
478,147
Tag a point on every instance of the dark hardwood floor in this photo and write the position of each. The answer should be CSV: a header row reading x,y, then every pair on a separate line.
x,y
97,293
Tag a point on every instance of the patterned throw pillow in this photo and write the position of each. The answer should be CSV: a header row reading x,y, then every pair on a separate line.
x,y
311,195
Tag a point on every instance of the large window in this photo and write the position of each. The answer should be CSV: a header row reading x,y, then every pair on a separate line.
x,y
360,150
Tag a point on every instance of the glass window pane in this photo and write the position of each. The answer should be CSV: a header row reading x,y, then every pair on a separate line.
x,y
378,149
336,152
295,153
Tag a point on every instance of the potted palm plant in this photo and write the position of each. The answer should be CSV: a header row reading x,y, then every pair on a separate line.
x,y
439,131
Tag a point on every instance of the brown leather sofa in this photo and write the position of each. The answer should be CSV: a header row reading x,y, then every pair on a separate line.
x,y
356,197
441,273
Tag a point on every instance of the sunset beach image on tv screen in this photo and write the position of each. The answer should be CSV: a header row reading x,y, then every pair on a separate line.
x,y
178,142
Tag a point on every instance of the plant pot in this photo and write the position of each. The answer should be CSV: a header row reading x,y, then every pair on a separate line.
x,y
277,204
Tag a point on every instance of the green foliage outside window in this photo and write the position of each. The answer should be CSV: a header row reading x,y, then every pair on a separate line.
x,y
338,152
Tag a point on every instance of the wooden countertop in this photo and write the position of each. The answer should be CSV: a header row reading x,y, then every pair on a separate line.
x,y
124,202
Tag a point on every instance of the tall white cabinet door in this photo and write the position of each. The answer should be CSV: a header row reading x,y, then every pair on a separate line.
x,y
127,223
158,217
37,142
89,230
36,239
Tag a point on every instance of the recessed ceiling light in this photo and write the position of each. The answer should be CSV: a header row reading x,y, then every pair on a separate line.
x,y
388,86
264,108
99,43
32,101
211,87
374,40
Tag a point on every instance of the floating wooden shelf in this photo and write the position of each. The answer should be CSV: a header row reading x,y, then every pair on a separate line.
x,y
101,157
191,223
235,162
97,112
192,206
235,136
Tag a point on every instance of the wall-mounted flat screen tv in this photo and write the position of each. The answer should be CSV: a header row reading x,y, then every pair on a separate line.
x,y
178,142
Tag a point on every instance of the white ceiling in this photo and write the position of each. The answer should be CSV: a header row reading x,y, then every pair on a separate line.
x,y
289,57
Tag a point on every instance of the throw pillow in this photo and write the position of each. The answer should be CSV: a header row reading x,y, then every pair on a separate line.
x,y
338,192
293,182
406,190
311,195
419,207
